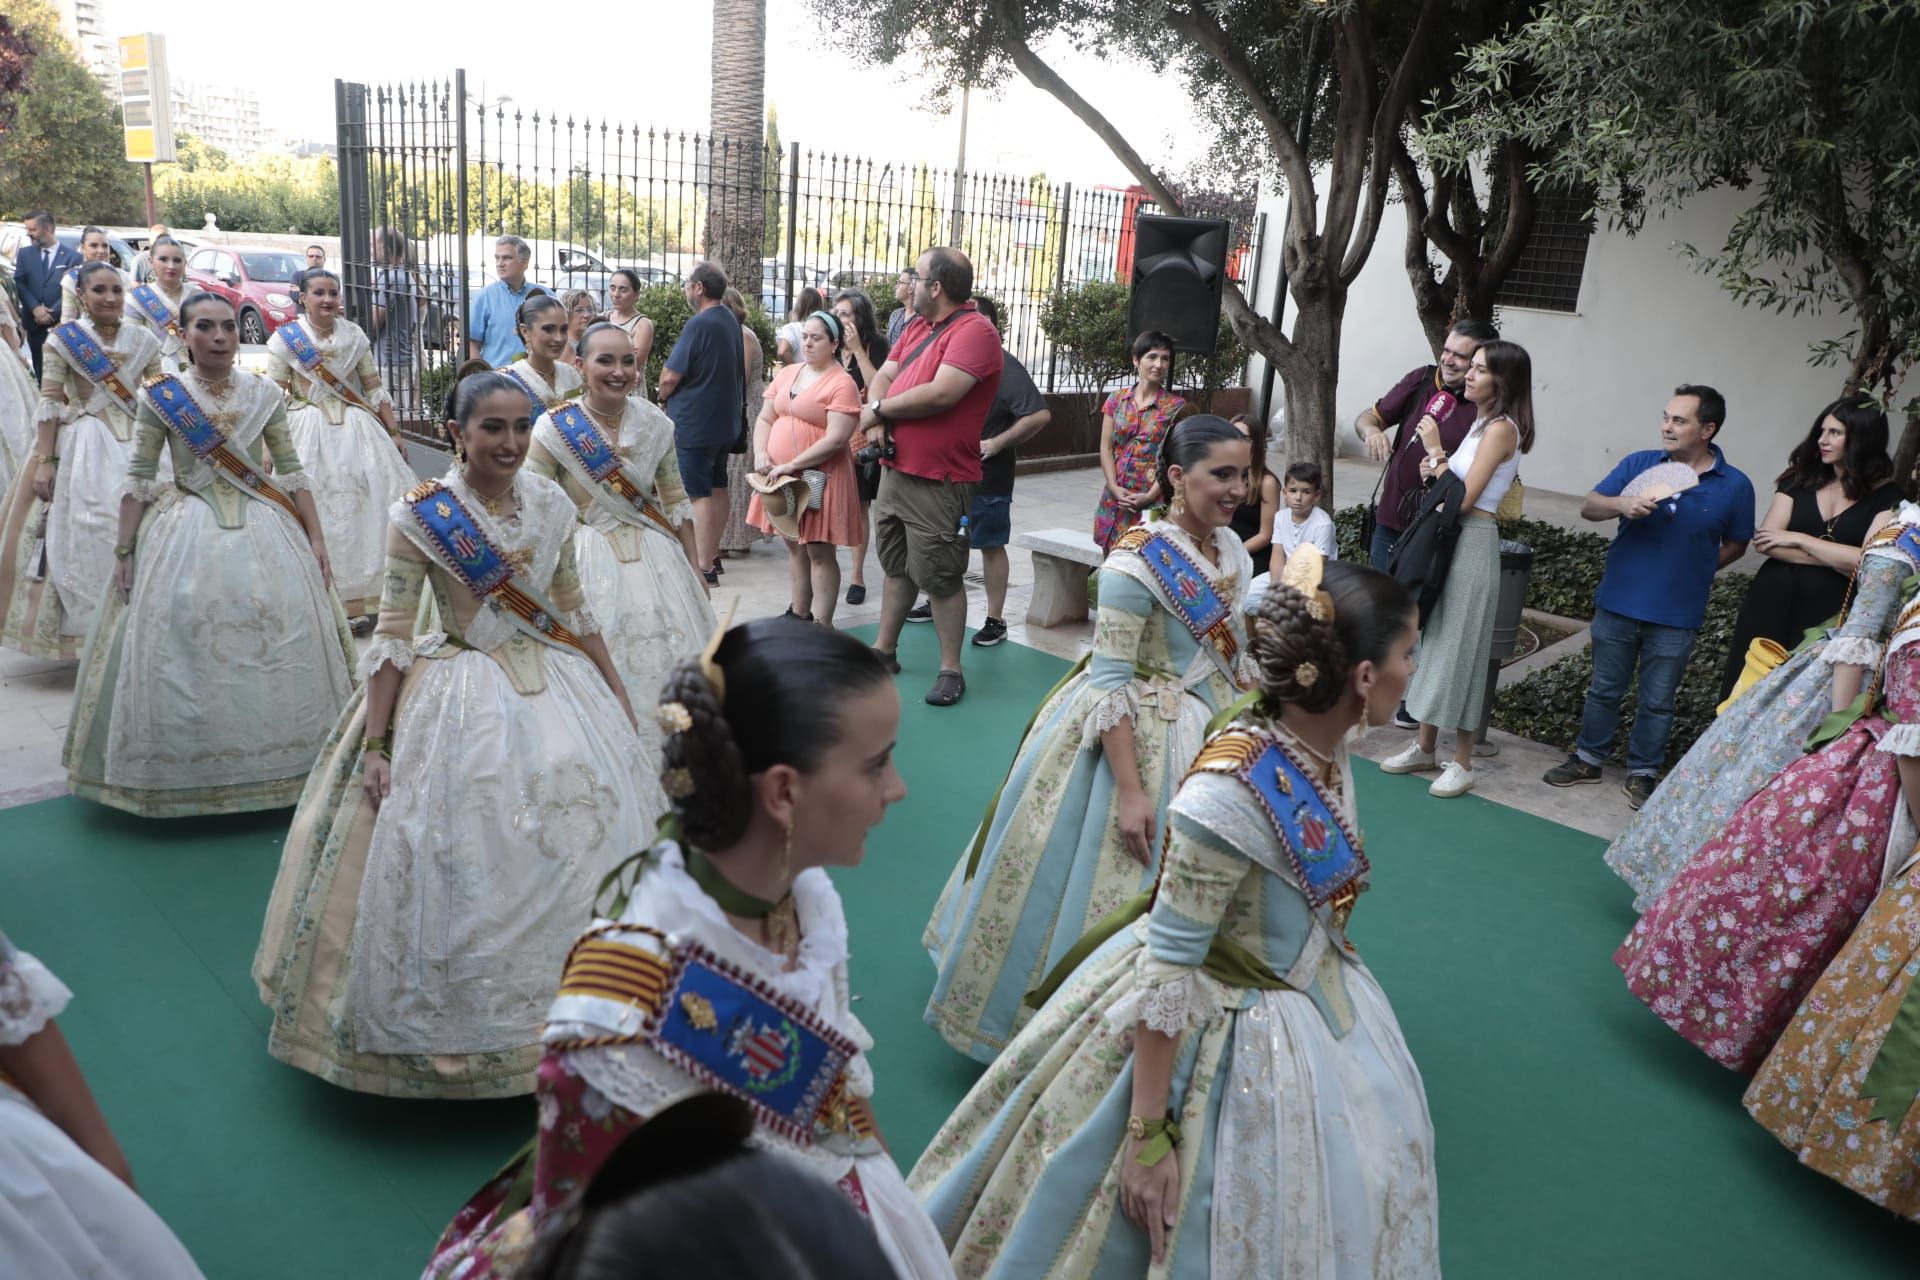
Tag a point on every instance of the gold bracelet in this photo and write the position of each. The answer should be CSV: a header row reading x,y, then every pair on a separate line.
x,y
51,459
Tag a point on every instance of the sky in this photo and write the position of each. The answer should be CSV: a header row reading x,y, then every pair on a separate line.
x,y
823,102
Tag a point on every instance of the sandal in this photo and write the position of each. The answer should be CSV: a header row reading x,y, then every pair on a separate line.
x,y
886,657
947,688
857,593
718,568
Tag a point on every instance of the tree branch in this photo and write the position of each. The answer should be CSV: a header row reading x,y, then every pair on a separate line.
x,y
1410,78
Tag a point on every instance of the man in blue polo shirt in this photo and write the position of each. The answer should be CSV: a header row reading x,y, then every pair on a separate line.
x,y
1653,596
493,321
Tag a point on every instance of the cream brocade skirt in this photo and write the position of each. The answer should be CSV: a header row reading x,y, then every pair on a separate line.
x,y
357,475
212,689
413,952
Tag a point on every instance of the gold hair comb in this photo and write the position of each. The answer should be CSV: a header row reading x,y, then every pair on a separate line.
x,y
1305,569
709,663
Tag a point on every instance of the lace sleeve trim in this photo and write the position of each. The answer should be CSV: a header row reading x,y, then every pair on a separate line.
x,y
384,651
1109,711
293,482
30,998
678,513
50,410
1854,650
1169,999
1901,740
142,490
378,395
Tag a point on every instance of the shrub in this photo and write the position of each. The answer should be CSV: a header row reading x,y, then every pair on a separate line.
x,y
666,305
1546,706
1567,564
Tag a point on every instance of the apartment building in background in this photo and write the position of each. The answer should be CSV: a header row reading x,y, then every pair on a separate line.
x,y
88,29
220,115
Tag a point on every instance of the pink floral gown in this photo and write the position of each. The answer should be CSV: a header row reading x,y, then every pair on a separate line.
x,y
1728,952
1137,435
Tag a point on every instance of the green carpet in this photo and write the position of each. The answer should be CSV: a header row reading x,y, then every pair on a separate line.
x,y
1577,1136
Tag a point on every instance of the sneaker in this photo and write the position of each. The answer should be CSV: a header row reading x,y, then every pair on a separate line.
x,y
1638,788
922,612
1454,780
1409,759
1401,720
991,632
1571,772
362,625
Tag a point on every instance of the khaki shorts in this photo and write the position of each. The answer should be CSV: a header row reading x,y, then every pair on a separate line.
x,y
916,531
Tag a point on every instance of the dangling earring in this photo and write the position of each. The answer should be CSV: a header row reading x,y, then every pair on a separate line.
x,y
783,922
786,856
1180,500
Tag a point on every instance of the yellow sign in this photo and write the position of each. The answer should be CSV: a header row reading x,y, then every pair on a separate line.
x,y
146,98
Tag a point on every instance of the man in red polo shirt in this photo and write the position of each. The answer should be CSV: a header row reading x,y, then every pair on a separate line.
x,y
930,399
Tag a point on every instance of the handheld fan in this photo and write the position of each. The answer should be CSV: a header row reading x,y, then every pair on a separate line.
x,y
1662,481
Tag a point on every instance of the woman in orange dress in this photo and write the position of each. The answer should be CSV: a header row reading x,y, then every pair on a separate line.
x,y
804,426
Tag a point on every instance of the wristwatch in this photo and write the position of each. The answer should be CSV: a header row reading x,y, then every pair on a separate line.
x,y
874,404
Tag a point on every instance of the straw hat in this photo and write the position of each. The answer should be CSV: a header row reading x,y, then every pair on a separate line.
x,y
784,500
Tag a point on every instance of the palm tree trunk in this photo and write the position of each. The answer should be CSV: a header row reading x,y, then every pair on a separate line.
x,y
736,213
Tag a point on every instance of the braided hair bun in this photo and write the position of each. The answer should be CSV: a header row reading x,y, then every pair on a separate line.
x,y
1302,659
714,810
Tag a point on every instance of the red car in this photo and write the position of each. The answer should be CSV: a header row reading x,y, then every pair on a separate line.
x,y
258,282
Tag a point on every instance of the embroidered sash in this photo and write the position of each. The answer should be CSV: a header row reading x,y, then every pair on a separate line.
x,y
1323,852
462,549
175,406
1187,592
93,361
720,1024
539,406
155,308
602,464
299,345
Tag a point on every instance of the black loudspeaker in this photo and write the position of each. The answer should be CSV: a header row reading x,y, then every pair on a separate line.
x,y
1179,270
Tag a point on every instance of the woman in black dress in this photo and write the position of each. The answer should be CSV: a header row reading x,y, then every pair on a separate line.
x,y
1837,480
866,350
1253,520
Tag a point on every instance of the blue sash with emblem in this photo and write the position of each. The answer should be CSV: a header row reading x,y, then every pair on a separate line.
x,y
1185,589
175,406
299,344
92,361
538,406
461,547
155,308
1324,853
601,463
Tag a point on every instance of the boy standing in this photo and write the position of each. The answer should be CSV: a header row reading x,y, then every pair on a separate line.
x,y
1304,522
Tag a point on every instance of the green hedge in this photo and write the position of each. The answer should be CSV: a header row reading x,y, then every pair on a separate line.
x,y
1546,705
1567,564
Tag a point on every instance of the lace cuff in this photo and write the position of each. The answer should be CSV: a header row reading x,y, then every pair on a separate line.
x,y
1855,650
1169,1000
678,513
53,411
30,997
142,490
379,396
582,622
1901,740
293,482
385,651
1110,710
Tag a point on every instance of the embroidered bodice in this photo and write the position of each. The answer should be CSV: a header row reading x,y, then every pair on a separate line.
x,y
645,440
66,393
347,354
253,417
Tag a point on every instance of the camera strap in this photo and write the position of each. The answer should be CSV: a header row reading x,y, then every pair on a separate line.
x,y
926,342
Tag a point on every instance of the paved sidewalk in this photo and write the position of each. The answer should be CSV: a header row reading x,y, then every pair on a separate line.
x,y
34,695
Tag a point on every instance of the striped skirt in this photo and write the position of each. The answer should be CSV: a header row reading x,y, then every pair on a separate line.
x,y
1450,682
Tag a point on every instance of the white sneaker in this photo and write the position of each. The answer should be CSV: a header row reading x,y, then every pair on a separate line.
x,y
1409,759
1454,780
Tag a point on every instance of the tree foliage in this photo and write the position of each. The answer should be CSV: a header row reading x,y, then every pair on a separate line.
x,y
1808,109
279,195
64,150
16,60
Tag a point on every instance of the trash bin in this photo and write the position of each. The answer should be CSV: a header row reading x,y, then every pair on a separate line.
x,y
1516,569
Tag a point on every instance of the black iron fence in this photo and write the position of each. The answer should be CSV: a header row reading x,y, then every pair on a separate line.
x,y
431,175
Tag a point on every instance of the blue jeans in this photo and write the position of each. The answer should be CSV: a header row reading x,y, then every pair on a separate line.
x,y
1619,644
1381,547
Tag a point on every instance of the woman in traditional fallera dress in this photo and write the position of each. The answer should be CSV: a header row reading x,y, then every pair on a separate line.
x,y
424,908
1726,954
1766,728
94,247
221,659
68,1209
780,757
544,374
57,531
1225,1074
1075,830
17,396
613,454
344,427
156,304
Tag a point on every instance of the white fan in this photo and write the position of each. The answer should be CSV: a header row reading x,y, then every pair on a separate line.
x,y
1662,481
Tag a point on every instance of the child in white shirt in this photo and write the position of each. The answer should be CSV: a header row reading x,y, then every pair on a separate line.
x,y
1304,522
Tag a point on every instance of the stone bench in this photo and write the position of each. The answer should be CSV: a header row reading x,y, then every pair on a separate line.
x,y
1062,561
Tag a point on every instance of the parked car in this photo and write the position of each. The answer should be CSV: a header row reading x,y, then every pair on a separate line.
x,y
256,281
122,251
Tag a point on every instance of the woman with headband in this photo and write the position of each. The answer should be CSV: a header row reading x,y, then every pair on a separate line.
x,y
344,426
56,532
800,451
779,759
1077,826
1220,1087
471,798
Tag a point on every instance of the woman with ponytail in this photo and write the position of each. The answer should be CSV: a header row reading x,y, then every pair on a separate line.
x,y
446,849
779,759
544,374
1220,1087
1076,828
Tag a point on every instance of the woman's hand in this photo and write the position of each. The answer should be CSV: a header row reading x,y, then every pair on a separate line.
x,y
1133,813
376,777
43,482
763,462
1150,1195
1765,540
1429,433
123,577
319,546
780,471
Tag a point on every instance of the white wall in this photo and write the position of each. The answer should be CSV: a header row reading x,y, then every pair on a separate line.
x,y
1601,376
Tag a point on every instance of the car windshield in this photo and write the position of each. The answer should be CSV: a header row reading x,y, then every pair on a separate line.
x,y
272,266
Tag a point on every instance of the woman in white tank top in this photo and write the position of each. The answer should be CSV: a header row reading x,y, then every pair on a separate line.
x,y
1449,686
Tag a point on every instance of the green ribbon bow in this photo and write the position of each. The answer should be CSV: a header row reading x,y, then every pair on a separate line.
x,y
1162,1137
1227,961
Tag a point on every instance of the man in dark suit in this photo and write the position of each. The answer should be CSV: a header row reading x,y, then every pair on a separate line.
x,y
37,269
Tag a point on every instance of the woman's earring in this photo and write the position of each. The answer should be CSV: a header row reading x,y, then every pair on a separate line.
x,y
1180,500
